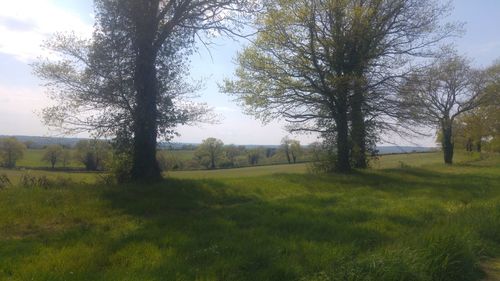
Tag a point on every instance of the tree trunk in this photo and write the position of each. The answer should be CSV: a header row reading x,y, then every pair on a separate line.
x,y
212,160
478,146
343,164
468,146
447,143
144,164
358,130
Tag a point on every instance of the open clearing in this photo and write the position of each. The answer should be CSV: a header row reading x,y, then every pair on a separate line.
x,y
411,218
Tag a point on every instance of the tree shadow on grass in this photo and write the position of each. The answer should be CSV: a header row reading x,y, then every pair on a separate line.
x,y
405,182
229,236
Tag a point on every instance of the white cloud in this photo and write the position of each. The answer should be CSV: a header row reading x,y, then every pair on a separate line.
x,y
24,25
18,110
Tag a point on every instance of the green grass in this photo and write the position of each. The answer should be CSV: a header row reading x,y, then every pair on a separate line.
x,y
32,158
419,220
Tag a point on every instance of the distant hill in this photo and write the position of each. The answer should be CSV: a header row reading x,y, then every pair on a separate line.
x,y
41,142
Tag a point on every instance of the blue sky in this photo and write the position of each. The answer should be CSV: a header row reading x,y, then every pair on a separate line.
x,y
25,24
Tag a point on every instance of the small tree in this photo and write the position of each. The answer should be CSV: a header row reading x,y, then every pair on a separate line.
x,y
92,153
254,155
295,150
53,154
65,157
11,150
285,147
232,152
209,152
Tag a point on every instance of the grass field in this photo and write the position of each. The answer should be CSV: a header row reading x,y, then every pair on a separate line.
x,y
32,158
410,218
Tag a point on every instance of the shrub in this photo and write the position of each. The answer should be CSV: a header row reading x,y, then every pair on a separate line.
x,y
4,181
449,256
120,167
30,181
323,158
168,162
11,150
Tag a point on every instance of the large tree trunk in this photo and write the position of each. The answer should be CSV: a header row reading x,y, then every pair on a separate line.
x,y
358,130
343,164
144,164
447,143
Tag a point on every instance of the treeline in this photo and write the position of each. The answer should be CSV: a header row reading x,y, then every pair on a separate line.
x,y
94,155
212,153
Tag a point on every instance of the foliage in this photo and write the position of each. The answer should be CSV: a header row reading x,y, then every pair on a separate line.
x,y
323,158
93,154
4,181
232,152
129,76
169,161
443,92
480,127
331,66
209,152
32,181
254,155
53,154
11,150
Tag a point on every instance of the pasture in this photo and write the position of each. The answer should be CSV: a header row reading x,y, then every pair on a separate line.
x,y
409,218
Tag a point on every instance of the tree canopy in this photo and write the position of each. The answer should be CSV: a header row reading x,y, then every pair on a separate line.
x,y
330,66
127,81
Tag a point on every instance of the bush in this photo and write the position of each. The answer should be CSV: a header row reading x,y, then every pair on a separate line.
x,y
31,181
323,158
120,167
4,181
168,162
449,256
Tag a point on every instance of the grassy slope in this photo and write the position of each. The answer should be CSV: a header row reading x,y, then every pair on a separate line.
x,y
426,223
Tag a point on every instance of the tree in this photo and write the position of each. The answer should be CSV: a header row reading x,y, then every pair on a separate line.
x,y
11,150
209,152
291,148
481,126
254,155
322,66
65,157
295,150
53,154
92,153
125,81
232,152
285,147
442,93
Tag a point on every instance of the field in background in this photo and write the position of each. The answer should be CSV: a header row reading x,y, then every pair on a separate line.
x,y
382,162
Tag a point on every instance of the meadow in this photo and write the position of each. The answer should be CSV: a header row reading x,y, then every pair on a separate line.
x,y
408,218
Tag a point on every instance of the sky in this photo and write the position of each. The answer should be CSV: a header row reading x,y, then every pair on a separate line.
x,y
24,25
